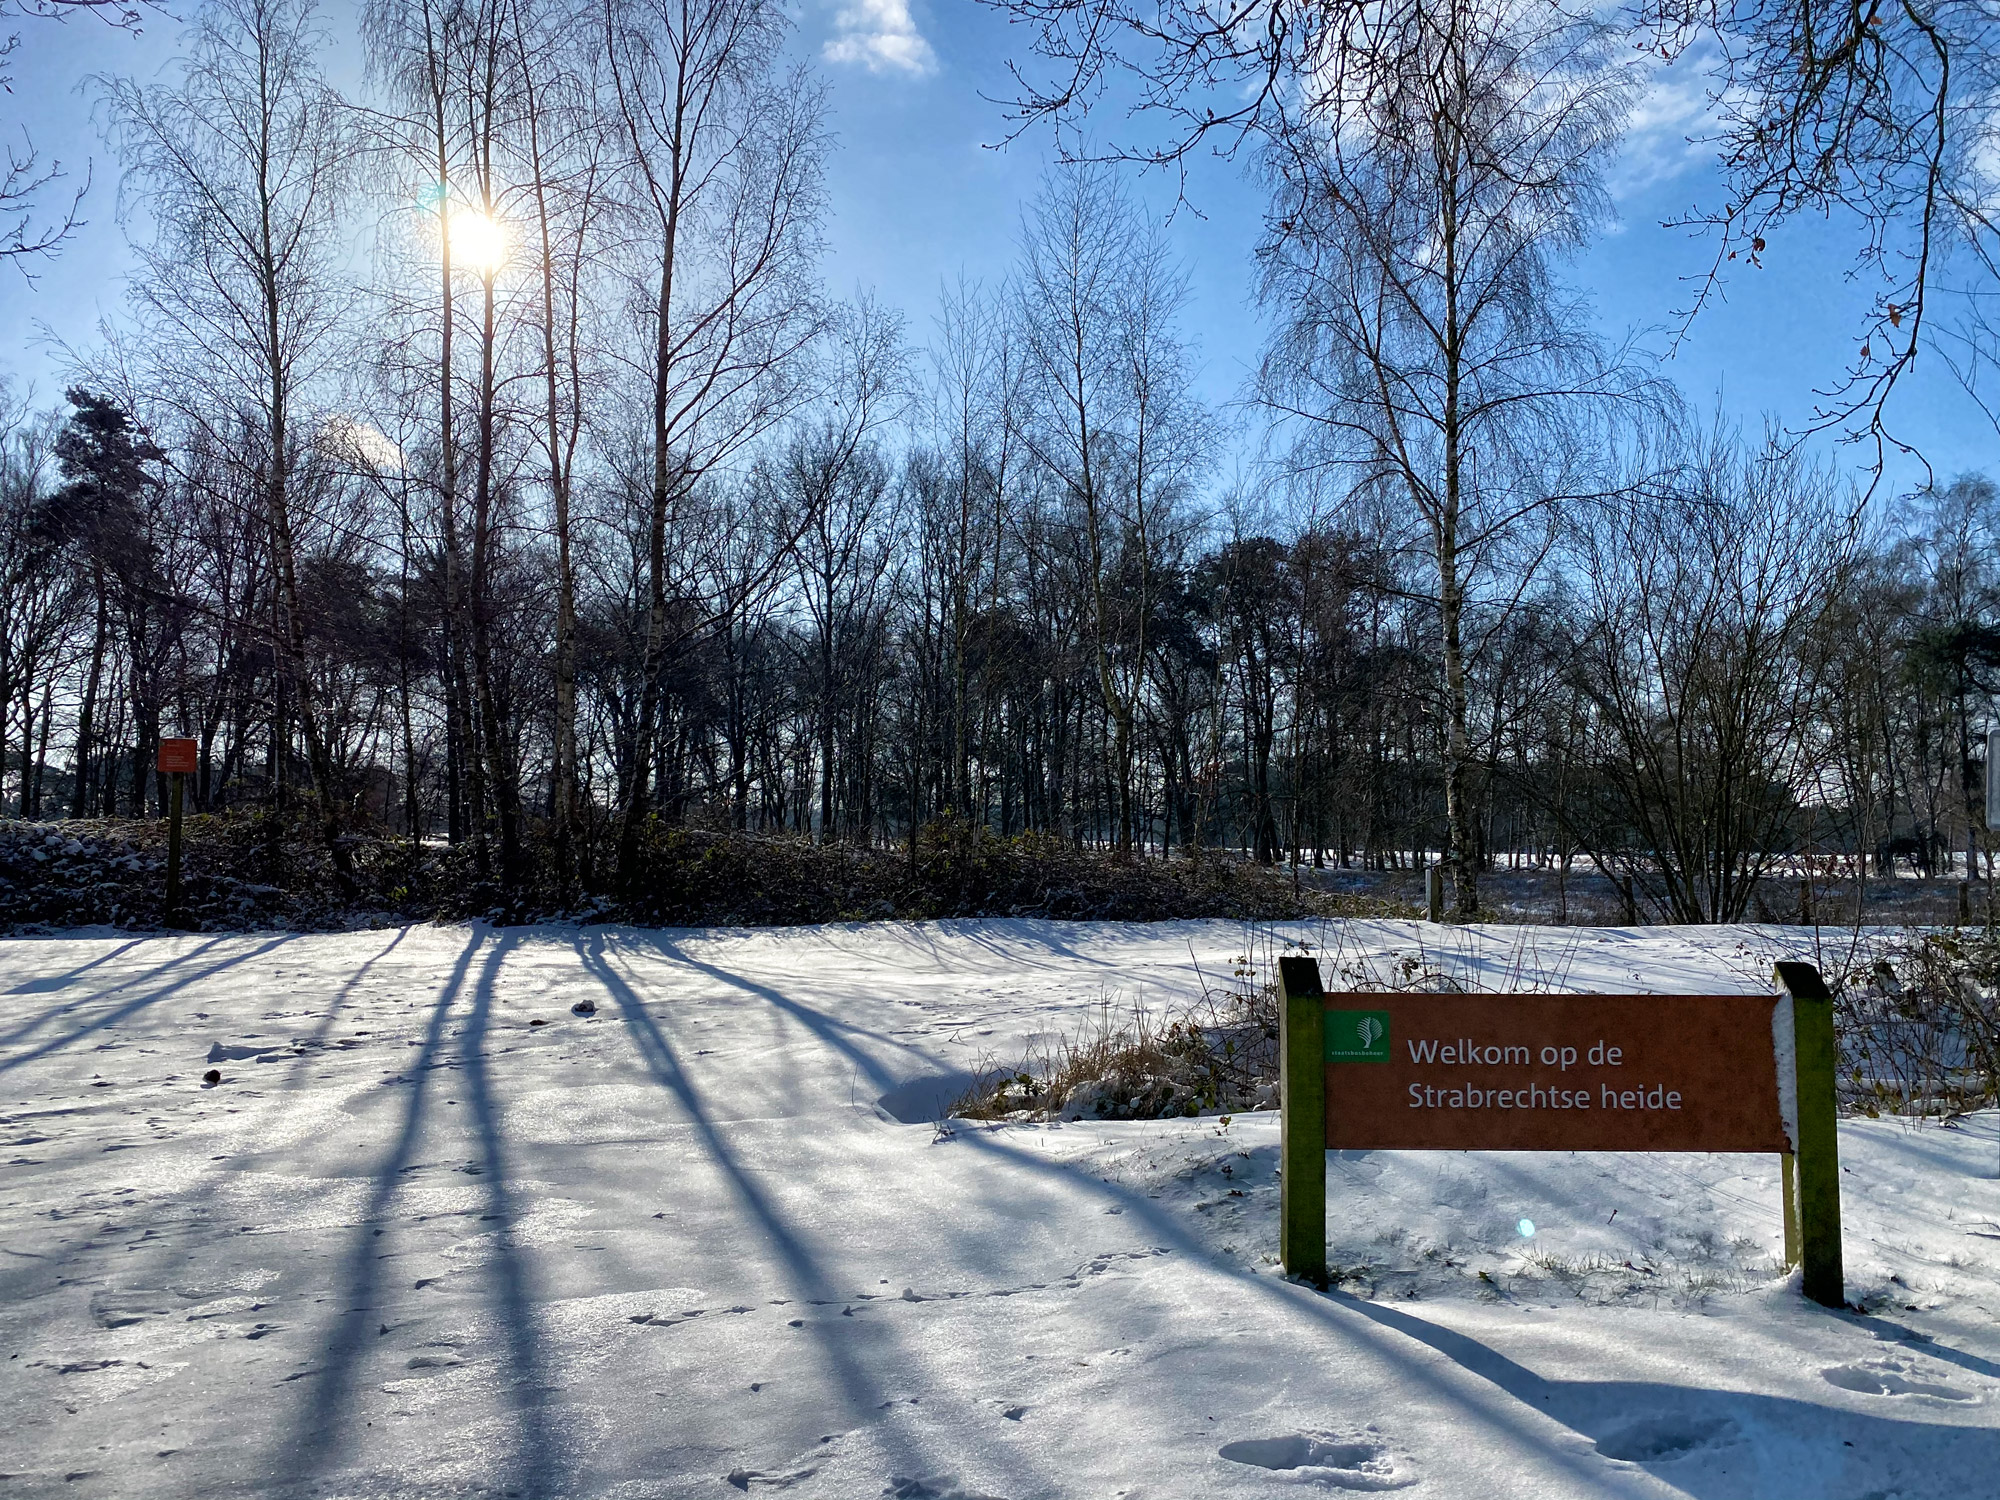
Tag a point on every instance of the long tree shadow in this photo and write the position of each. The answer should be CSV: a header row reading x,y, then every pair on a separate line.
x,y
48,984
31,1024
1166,1232
807,1279
862,1392
535,1470
295,1077
130,1007
324,1423
1647,1423
835,1032
1800,1446
194,1199
1644,1423
1046,933
1885,1328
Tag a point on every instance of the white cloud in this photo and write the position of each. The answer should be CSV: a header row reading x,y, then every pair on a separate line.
x,y
1664,137
1982,162
359,443
882,37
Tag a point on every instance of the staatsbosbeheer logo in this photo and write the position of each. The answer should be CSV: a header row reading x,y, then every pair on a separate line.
x,y
1357,1036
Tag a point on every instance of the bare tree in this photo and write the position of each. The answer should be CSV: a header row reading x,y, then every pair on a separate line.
x,y
42,593
1705,671
24,176
721,157
240,163
433,57
1884,113
560,151
961,386
1426,352
1951,645
1110,417
833,479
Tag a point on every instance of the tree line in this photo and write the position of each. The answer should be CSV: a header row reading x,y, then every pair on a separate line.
x,y
482,459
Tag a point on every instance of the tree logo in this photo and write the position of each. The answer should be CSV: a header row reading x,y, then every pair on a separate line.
x,y
1357,1036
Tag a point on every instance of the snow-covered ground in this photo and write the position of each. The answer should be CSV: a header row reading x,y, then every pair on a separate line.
x,y
708,1241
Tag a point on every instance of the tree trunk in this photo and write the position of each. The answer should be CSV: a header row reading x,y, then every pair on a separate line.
x,y
656,559
1458,748
80,793
563,784
501,780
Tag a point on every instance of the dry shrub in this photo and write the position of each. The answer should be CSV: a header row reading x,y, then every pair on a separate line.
x,y
1220,1051
1919,1026
1216,1052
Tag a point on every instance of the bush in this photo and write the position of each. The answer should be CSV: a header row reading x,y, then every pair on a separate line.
x,y
263,870
1919,1026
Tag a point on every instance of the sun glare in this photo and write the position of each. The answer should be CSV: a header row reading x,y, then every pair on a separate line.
x,y
477,240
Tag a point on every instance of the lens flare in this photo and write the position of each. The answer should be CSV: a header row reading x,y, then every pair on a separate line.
x,y
1527,1228
477,240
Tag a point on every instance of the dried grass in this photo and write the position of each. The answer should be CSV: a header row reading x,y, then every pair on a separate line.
x,y
1919,1026
1219,1051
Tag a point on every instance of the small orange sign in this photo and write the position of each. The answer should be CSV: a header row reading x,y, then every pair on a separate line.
x,y
1553,1073
181,756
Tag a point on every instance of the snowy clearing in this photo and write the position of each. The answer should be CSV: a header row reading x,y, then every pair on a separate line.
x,y
706,1241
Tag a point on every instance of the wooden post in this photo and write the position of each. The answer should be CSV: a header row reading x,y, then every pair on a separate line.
x,y
1302,1128
1788,1191
174,849
1434,891
176,758
1813,1200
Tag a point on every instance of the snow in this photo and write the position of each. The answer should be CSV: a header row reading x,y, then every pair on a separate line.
x,y
710,1241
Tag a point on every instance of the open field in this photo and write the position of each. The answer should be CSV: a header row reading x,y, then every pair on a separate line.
x,y
1529,894
436,1233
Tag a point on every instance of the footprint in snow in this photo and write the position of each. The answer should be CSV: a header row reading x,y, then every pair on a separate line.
x,y
121,1309
745,1479
1658,1440
1891,1377
1338,1461
935,1487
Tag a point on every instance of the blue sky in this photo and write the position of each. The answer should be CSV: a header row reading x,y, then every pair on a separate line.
x,y
920,196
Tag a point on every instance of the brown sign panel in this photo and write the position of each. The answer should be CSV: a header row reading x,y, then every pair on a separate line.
x,y
1552,1073
179,755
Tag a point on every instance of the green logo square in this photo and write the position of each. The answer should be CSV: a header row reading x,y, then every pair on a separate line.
x,y
1357,1036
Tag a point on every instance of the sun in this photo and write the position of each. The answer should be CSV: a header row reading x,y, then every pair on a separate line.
x,y
478,240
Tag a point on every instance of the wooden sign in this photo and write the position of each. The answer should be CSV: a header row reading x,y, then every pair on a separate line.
x,y
1367,1072
1552,1073
179,756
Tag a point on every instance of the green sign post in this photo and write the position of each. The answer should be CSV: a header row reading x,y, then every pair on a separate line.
x,y
1302,1126
1810,1176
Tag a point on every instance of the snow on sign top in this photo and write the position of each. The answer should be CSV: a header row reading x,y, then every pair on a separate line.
x,y
1553,1073
178,755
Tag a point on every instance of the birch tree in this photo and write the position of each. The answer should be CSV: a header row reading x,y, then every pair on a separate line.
x,y
1427,357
